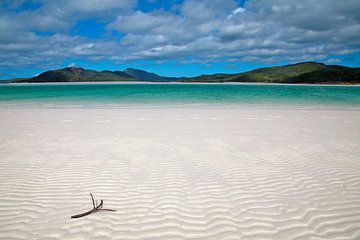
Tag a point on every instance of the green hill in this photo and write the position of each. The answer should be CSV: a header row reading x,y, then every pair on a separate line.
x,y
79,75
307,72
146,76
73,74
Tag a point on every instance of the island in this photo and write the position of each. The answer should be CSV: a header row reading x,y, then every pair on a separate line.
x,y
305,72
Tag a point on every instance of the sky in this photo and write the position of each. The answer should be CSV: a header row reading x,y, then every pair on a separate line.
x,y
175,37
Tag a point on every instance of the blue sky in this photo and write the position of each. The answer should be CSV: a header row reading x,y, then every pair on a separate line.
x,y
175,37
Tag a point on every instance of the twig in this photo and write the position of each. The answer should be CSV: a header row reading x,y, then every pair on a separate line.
x,y
95,208
92,198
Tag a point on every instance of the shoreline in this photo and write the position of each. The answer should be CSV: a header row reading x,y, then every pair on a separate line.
x,y
254,107
182,83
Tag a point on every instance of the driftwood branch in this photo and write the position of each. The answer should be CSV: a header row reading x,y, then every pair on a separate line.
x,y
92,198
95,208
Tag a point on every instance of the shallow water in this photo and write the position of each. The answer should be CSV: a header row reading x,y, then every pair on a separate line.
x,y
125,95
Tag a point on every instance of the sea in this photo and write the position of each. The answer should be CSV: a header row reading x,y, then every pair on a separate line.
x,y
135,95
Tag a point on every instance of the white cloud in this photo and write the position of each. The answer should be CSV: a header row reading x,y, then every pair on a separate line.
x,y
261,30
205,30
205,10
238,10
140,22
96,5
87,6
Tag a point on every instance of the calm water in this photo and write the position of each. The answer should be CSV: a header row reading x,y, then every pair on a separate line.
x,y
122,95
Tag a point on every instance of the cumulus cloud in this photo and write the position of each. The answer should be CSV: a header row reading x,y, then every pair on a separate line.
x,y
321,15
202,11
261,30
73,10
95,5
41,34
59,15
203,30
140,22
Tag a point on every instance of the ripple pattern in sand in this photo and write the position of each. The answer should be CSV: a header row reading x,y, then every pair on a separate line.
x,y
219,181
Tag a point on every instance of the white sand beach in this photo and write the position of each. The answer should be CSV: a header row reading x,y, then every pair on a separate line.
x,y
180,173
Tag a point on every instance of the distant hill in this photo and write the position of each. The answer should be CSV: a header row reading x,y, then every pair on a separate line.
x,y
73,74
146,76
306,72
79,75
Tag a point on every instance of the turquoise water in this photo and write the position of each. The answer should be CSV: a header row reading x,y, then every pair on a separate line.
x,y
178,94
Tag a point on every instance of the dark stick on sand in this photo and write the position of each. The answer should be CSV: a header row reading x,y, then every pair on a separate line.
x,y
94,210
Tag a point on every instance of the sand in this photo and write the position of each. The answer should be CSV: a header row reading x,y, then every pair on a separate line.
x,y
180,173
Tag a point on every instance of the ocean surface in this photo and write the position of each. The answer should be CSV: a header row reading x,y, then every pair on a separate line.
x,y
177,95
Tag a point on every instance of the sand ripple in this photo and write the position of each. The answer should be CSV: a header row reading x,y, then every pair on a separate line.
x,y
199,178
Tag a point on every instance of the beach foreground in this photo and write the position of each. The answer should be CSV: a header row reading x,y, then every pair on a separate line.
x,y
180,173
